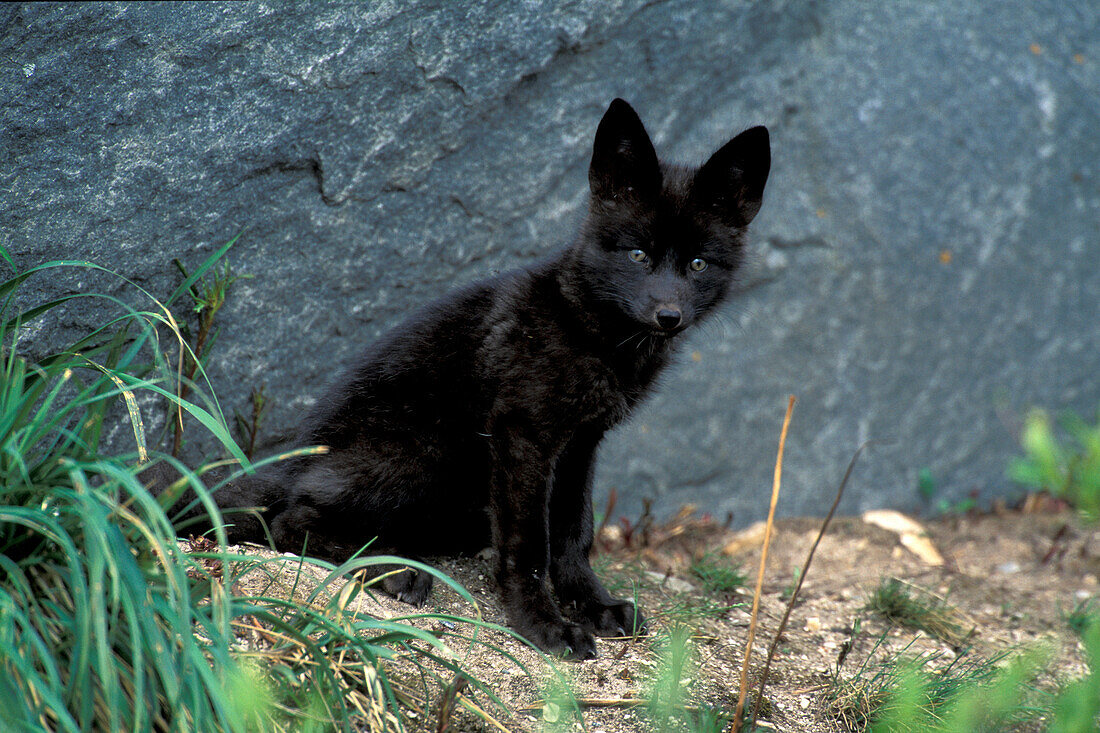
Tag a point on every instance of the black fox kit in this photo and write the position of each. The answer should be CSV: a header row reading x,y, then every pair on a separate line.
x,y
476,421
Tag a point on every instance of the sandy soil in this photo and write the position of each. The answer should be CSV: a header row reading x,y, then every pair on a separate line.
x,y
1011,576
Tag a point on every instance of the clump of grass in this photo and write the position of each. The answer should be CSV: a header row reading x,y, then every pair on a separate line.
x,y
969,694
669,687
107,623
907,605
898,694
717,573
1077,705
1084,613
97,612
559,710
922,693
326,660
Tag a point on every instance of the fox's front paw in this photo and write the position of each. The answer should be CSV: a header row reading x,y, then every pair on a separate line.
x,y
560,638
615,618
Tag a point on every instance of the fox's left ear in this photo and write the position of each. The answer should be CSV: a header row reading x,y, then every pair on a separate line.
x,y
731,183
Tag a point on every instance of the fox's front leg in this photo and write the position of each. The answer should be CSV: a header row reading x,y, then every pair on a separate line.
x,y
582,595
518,506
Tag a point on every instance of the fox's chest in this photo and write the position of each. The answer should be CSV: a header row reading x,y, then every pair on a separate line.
x,y
560,378
597,393
587,389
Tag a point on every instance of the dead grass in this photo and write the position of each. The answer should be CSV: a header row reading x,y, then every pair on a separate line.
x,y
904,603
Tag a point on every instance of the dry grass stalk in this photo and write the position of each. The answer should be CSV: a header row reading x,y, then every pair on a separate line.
x,y
735,727
802,578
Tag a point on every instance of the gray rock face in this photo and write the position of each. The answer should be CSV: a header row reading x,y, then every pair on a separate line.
x,y
925,264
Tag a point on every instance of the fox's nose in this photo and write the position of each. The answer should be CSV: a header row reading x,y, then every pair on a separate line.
x,y
668,318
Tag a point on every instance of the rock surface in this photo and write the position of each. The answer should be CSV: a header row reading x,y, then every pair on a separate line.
x,y
925,264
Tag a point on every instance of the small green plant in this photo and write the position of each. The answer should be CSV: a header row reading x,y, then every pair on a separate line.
x,y
969,694
957,507
670,690
248,427
926,484
928,487
717,574
1065,463
907,605
788,590
559,709
207,295
1083,613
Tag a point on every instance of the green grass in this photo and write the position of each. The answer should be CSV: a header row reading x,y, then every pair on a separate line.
x,y
629,578
690,609
97,612
1076,708
622,578
986,695
107,624
671,689
717,574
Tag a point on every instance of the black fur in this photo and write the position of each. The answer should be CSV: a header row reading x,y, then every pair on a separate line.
x,y
476,422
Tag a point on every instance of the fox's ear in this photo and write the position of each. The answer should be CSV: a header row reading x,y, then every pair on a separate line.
x,y
624,164
731,183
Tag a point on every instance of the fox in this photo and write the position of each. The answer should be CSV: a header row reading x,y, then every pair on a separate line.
x,y
476,422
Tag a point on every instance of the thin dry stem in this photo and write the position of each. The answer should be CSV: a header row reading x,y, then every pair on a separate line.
x,y
735,727
481,713
802,578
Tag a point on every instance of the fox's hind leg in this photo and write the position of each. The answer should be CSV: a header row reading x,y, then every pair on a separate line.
x,y
336,511
406,583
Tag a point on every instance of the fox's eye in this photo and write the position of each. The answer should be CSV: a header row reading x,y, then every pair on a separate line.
x,y
638,255
698,264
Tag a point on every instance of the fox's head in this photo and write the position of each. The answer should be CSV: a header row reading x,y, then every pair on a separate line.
x,y
661,242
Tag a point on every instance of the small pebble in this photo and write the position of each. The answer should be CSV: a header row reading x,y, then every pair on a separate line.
x,y
1009,567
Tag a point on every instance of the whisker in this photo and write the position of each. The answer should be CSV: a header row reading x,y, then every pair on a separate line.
x,y
621,343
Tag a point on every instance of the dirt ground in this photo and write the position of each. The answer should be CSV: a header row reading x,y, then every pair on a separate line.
x,y
1012,577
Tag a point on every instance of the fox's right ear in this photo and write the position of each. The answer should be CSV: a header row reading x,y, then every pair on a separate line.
x,y
624,163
